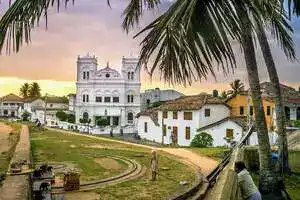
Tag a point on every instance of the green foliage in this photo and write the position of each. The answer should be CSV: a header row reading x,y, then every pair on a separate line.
x,y
224,95
102,122
156,104
202,139
24,90
215,93
71,118
84,121
34,90
61,115
237,87
25,116
296,123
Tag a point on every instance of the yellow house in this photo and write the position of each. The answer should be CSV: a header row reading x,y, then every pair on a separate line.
x,y
241,106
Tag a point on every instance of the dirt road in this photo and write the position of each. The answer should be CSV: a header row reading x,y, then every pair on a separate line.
x,y
4,134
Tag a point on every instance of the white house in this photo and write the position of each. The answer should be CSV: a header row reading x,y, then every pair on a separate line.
x,y
10,105
106,93
36,107
182,118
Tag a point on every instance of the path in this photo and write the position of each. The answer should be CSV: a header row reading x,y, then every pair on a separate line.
x,y
204,163
15,187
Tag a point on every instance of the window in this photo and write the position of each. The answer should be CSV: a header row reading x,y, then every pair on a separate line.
x,y
130,118
145,127
188,116
107,99
165,114
175,115
130,98
132,75
187,133
115,121
229,132
85,116
268,110
148,102
51,105
128,75
98,99
107,75
12,104
83,75
116,99
83,98
164,127
87,75
251,110
5,104
5,112
241,110
207,112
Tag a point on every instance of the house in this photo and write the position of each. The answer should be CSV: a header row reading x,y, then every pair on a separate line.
x,y
242,106
37,107
151,96
10,105
106,94
290,99
182,118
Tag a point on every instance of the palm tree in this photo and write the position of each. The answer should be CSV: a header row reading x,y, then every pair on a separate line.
x,y
237,87
183,50
280,117
24,90
34,90
224,95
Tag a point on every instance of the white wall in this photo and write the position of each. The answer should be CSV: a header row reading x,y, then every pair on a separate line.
x,y
253,140
217,113
154,132
219,132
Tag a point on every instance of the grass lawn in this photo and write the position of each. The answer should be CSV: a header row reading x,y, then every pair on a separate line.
x,y
13,139
216,153
49,145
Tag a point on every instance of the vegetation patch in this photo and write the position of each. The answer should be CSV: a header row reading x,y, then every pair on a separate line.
x,y
51,149
216,153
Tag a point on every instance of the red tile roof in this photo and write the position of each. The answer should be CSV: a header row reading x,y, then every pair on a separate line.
x,y
12,97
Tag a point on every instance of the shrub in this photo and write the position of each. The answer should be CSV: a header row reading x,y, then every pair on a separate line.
x,y
61,115
202,140
71,118
296,123
102,122
25,116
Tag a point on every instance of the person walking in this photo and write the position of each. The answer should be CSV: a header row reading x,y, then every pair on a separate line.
x,y
153,164
247,187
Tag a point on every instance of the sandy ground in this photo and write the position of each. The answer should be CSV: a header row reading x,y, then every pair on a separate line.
x,y
4,134
108,163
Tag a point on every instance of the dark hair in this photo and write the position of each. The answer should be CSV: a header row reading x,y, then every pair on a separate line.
x,y
240,165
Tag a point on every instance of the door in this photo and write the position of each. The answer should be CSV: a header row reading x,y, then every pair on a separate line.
x,y
175,134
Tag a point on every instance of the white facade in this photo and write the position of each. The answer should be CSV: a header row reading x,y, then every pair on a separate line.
x,y
106,93
10,105
218,112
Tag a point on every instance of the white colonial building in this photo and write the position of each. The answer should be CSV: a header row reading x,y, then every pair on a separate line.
x,y
106,93
10,105
177,121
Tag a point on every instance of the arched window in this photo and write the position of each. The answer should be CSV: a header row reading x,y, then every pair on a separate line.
x,y
85,116
128,75
130,118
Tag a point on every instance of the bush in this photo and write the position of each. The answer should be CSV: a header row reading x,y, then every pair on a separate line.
x,y
71,118
202,140
296,123
102,122
25,116
61,115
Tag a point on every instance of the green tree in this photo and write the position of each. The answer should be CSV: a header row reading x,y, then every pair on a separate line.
x,y
237,87
71,118
224,95
215,93
34,90
61,115
202,139
102,122
25,116
24,90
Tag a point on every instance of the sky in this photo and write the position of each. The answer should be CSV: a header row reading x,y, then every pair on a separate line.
x,y
90,26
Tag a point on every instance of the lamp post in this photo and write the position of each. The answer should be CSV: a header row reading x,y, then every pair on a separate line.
x,y
45,109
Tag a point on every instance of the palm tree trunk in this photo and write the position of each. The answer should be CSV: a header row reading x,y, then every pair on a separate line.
x,y
280,118
266,176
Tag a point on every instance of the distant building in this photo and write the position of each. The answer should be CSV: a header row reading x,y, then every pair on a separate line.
x,y
151,96
10,105
36,107
106,93
177,121
290,99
